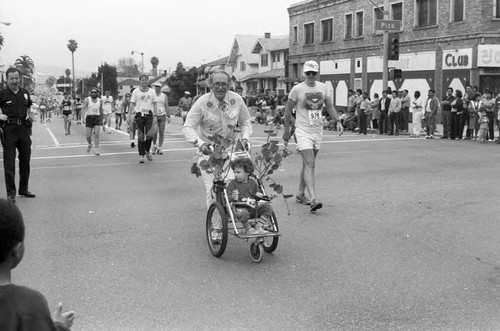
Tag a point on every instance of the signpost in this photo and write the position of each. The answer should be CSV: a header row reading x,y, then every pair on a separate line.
x,y
388,25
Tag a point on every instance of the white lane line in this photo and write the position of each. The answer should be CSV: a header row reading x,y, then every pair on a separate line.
x,y
53,138
106,164
105,143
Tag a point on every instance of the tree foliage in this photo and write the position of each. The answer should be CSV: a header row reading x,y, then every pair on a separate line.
x,y
27,67
50,81
182,80
127,67
72,45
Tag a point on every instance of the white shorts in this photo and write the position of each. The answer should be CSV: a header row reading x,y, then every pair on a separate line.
x,y
308,139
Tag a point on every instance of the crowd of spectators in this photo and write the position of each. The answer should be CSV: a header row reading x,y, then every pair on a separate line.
x,y
468,115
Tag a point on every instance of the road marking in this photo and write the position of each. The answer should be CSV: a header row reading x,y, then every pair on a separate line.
x,y
107,143
53,137
107,164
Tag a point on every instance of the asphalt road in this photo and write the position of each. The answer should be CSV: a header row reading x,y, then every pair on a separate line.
x,y
407,240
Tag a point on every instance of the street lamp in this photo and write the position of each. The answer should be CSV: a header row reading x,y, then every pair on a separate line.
x,y
142,55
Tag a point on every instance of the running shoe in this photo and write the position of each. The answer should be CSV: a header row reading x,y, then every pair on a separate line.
x,y
153,150
141,158
89,147
96,152
150,158
132,144
302,199
159,152
315,205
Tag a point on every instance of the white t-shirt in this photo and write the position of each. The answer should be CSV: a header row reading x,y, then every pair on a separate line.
x,y
310,101
93,108
107,104
118,106
161,103
143,100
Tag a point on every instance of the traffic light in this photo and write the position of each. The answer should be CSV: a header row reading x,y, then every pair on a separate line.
x,y
393,46
395,74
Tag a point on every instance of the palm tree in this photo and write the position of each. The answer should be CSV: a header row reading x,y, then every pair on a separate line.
x,y
67,72
1,41
154,62
27,67
72,46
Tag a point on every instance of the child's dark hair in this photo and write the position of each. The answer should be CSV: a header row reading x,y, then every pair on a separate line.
x,y
243,163
11,228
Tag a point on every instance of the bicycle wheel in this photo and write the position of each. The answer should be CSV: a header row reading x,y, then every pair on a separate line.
x,y
216,229
270,243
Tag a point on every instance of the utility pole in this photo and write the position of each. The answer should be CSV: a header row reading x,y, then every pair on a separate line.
x,y
385,65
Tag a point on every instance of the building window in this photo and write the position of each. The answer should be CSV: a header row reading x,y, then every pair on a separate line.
x,y
457,10
327,30
359,24
397,11
378,14
295,34
309,33
273,57
426,12
295,69
497,8
278,57
348,26
264,60
243,66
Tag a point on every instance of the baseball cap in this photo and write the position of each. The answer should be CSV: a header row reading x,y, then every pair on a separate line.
x,y
311,66
186,92
157,84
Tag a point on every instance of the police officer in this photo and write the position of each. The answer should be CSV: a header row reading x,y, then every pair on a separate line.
x,y
15,103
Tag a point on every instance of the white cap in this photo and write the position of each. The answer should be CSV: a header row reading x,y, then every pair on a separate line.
x,y
157,84
311,66
186,92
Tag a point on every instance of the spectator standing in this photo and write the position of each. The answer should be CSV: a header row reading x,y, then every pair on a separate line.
x,y
417,107
431,109
489,106
375,113
468,96
383,122
364,113
405,111
394,113
15,103
457,110
473,110
351,101
446,113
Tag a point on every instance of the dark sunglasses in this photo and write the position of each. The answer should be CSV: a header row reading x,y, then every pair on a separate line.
x,y
308,73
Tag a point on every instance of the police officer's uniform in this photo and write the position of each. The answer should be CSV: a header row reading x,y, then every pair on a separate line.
x,y
17,132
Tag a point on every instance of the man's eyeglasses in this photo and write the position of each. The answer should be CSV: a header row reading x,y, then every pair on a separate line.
x,y
309,73
217,85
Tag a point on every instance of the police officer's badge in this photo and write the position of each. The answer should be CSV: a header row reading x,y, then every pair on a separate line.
x,y
209,104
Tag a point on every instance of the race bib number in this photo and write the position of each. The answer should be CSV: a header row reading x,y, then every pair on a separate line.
x,y
314,106
314,115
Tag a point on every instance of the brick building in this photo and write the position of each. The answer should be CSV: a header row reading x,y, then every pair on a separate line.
x,y
443,43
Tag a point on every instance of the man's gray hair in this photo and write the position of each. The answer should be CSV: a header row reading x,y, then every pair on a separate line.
x,y
211,78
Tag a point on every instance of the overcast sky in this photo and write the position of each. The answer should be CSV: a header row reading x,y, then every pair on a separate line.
x,y
189,31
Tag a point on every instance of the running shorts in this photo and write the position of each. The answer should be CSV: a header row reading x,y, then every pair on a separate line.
x,y
92,120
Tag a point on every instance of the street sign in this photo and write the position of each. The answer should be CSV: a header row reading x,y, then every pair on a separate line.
x,y
63,85
388,25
